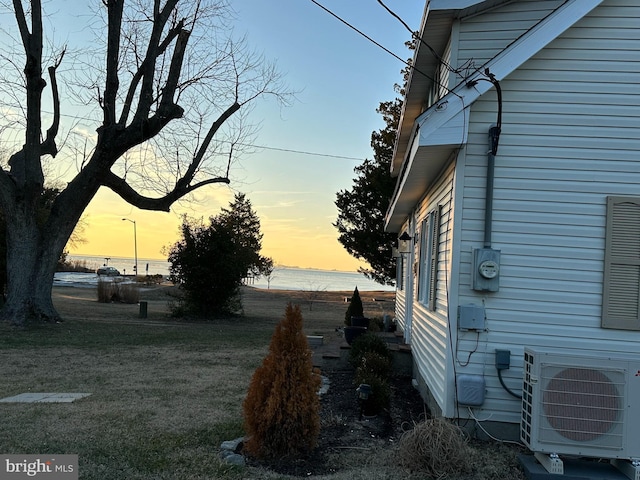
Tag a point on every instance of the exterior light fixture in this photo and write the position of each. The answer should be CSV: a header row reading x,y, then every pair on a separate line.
x,y
404,243
364,392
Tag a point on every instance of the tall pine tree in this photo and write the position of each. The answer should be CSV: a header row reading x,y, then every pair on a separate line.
x,y
362,209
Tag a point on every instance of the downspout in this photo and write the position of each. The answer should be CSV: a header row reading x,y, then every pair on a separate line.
x,y
494,138
494,134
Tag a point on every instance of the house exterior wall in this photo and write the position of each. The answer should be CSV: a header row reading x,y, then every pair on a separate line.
x,y
430,329
570,138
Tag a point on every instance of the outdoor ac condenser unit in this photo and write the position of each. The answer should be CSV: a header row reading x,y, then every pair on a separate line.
x,y
581,405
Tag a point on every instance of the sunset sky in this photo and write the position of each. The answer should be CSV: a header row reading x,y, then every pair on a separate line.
x,y
311,148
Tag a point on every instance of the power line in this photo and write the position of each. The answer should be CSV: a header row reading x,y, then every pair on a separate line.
x,y
263,147
302,152
408,64
417,36
360,32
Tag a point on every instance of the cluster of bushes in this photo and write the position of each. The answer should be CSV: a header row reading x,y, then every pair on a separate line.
x,y
66,265
114,291
371,358
210,260
354,316
155,279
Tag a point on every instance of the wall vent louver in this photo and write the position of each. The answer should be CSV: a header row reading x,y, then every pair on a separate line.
x,y
581,405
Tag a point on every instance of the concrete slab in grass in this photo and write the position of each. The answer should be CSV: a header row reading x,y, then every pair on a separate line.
x,y
44,398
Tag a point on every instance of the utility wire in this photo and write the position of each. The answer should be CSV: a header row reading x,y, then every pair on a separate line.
x,y
302,152
263,147
412,67
416,35
360,32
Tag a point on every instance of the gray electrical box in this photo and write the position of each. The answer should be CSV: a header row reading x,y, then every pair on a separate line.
x,y
486,270
470,390
471,317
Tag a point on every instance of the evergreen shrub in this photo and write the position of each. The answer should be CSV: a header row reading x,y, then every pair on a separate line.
x,y
355,308
282,407
369,342
380,390
374,369
372,363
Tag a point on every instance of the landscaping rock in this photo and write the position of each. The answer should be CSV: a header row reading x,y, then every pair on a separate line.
x,y
230,452
234,446
324,388
235,459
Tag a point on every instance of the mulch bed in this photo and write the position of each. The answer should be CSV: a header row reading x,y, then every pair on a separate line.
x,y
343,428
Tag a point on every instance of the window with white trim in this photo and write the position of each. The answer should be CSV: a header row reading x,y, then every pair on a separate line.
x,y
621,286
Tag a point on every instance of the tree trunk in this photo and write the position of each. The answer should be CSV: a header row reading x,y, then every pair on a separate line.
x,y
31,265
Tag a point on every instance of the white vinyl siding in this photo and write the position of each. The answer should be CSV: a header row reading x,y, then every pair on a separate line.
x,y
430,329
570,138
482,37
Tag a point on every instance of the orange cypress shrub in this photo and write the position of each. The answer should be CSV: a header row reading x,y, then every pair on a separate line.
x,y
282,407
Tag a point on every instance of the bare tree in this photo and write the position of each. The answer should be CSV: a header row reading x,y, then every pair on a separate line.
x,y
169,89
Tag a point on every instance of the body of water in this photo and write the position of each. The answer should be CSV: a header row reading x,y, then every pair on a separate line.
x,y
124,264
283,278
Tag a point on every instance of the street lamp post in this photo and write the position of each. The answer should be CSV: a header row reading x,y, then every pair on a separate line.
x,y
135,245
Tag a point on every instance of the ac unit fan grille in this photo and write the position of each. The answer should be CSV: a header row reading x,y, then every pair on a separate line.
x,y
581,404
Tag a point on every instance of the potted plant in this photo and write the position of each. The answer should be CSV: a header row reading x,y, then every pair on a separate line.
x,y
351,333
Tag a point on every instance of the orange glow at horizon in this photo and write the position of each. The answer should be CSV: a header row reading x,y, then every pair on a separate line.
x,y
296,243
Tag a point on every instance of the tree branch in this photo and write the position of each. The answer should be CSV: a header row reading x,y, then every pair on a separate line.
x,y
25,164
49,145
148,66
22,25
112,83
199,156
135,81
168,92
131,196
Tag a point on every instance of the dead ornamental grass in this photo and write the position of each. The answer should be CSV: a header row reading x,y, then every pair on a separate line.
x,y
435,447
118,291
